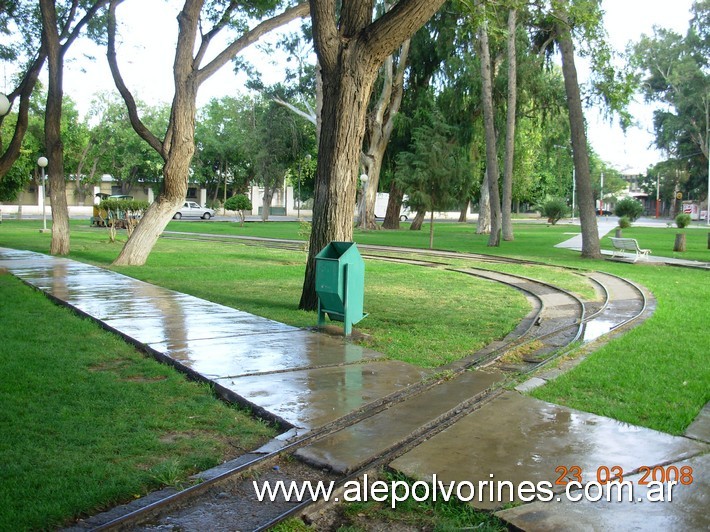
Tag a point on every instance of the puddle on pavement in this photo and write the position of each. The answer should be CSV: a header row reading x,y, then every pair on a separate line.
x,y
595,328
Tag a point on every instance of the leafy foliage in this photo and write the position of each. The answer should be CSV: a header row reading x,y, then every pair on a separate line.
x,y
682,221
435,169
624,222
629,208
675,72
238,203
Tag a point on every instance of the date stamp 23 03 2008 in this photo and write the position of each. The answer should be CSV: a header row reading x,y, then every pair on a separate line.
x,y
658,482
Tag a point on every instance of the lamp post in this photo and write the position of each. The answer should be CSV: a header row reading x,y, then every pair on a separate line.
x,y
4,105
658,194
43,162
308,159
363,200
574,190
601,195
574,180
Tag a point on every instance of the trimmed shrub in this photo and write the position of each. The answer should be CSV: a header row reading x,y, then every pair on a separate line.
x,y
624,222
553,209
682,221
630,208
239,203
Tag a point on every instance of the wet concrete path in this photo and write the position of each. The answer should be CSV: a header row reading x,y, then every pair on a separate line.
x,y
301,378
308,380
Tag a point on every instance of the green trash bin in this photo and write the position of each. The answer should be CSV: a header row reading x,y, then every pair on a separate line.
x,y
340,284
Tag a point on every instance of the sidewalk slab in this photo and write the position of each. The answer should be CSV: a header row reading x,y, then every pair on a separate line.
x,y
262,352
686,511
312,398
301,377
517,438
347,449
700,428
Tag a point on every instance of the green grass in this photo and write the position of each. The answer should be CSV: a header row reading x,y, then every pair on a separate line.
x,y
657,375
425,515
428,317
87,421
660,241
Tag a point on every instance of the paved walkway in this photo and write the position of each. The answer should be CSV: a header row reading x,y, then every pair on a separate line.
x,y
606,226
308,380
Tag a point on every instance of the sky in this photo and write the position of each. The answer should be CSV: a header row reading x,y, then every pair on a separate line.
x,y
149,30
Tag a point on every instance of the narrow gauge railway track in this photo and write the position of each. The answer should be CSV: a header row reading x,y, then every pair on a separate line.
x,y
227,489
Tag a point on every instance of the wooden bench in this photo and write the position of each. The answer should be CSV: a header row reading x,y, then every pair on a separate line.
x,y
629,245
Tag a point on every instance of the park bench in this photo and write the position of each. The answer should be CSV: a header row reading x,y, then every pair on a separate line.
x,y
629,245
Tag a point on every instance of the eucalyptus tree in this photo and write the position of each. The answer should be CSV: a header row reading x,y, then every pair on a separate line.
x,y
561,22
274,146
351,46
200,22
492,169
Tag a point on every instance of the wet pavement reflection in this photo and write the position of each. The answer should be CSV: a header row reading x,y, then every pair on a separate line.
x,y
516,438
308,380
302,377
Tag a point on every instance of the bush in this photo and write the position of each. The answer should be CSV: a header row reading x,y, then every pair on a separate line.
x,y
239,203
682,221
624,222
553,209
630,208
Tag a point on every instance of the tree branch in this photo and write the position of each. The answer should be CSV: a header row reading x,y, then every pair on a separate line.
x,y
310,116
325,33
207,38
136,122
250,37
384,35
24,91
90,13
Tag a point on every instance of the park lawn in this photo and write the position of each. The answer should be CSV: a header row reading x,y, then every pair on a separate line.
x,y
415,316
656,354
455,236
88,422
661,240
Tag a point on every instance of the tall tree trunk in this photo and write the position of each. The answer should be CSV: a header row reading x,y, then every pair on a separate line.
x,y
491,142
507,204
52,133
175,177
24,91
463,215
418,221
483,227
178,146
394,207
350,49
585,196
266,203
431,230
339,155
379,129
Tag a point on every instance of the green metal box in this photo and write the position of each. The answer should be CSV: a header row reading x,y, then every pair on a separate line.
x,y
340,284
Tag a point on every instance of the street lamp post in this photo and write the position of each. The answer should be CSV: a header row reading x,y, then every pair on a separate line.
x,y
658,195
308,159
601,195
43,162
574,190
363,200
4,105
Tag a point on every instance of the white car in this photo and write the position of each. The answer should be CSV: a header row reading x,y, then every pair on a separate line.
x,y
190,209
